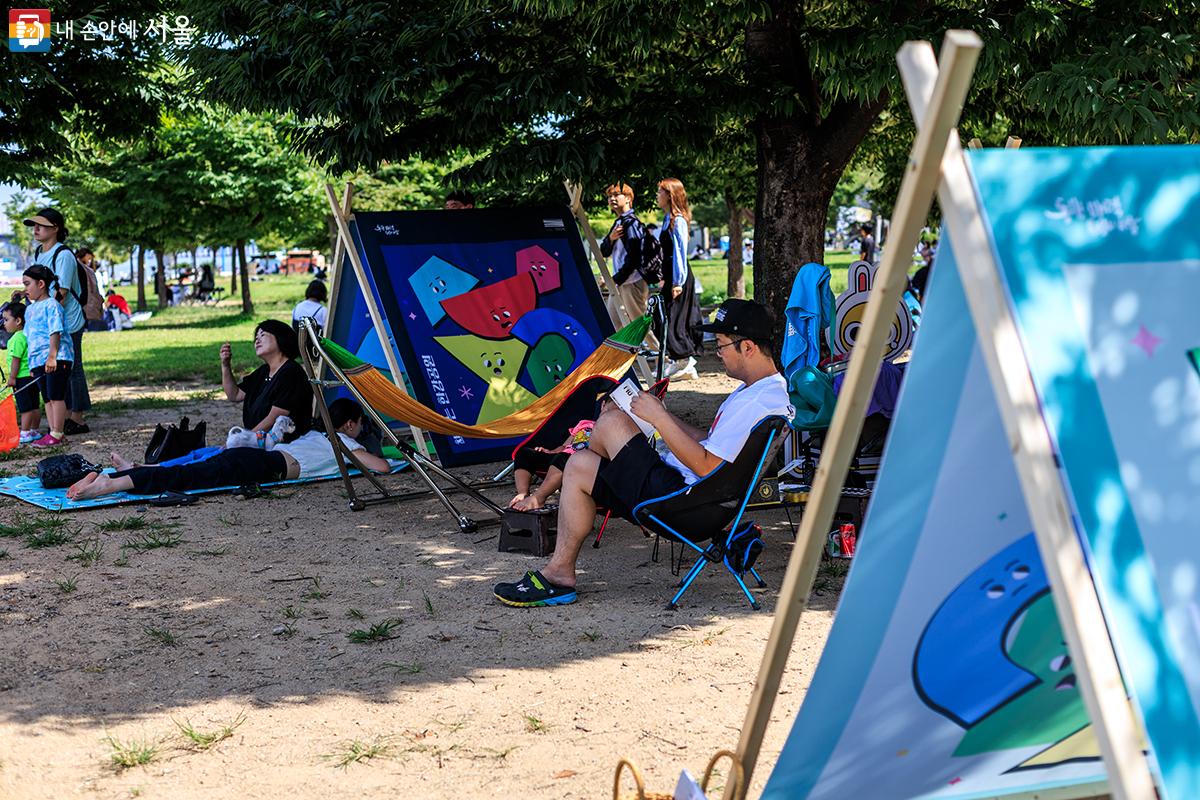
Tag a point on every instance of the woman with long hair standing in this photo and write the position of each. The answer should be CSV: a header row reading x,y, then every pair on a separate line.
x,y
684,339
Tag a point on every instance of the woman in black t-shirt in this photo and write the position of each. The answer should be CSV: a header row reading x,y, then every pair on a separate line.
x,y
279,387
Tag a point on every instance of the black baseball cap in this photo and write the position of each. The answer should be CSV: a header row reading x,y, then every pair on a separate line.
x,y
742,318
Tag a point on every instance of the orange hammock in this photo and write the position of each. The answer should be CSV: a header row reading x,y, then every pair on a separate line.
x,y
612,358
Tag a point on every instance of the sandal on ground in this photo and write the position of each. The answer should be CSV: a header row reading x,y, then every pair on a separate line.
x,y
534,590
169,499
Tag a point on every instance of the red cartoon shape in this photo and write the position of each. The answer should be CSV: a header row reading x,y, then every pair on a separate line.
x,y
491,311
542,266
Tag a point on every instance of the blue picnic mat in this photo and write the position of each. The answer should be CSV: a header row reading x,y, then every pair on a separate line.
x,y
29,489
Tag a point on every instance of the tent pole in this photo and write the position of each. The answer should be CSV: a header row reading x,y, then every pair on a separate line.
x,y
959,54
617,311
360,272
1074,593
335,269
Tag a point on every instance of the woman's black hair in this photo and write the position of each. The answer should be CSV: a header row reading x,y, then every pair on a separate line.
x,y
83,251
285,337
40,272
344,410
316,291
16,310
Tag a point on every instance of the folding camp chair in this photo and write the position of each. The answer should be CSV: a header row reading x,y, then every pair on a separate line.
x,y
582,403
712,509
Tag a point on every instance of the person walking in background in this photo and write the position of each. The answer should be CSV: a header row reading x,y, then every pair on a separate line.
x,y
50,353
684,339
866,245
50,232
93,304
624,245
313,305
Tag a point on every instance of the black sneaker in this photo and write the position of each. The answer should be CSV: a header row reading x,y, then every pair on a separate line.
x,y
534,590
73,428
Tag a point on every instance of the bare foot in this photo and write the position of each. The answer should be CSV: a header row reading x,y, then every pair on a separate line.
x,y
516,499
87,480
99,485
120,462
529,503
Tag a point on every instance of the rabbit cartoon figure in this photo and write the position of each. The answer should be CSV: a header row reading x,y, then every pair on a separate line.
x,y
851,307
263,440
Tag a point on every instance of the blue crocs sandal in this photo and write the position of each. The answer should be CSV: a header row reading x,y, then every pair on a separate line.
x,y
534,590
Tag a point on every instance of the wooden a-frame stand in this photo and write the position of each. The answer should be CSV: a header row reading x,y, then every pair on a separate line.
x,y
936,97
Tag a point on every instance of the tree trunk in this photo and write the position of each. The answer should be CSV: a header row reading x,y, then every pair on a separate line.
x,y
247,305
801,156
141,278
195,266
160,279
736,284
233,271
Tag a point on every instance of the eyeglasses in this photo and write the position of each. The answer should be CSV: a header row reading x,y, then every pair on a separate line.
x,y
721,347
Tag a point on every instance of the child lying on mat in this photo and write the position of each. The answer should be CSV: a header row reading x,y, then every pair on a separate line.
x,y
532,460
309,456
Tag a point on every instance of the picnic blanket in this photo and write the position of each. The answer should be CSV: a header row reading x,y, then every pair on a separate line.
x,y
29,489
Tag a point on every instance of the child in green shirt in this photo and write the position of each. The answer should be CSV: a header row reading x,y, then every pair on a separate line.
x,y
20,380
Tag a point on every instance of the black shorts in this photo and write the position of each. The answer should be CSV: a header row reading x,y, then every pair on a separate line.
x,y
539,463
635,474
26,400
54,384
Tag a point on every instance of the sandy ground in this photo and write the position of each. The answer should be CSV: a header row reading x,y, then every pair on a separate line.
x,y
465,699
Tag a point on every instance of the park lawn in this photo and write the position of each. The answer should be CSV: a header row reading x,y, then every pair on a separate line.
x,y
713,275
180,344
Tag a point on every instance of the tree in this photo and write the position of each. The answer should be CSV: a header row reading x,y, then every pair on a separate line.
x,y
560,88
19,207
110,89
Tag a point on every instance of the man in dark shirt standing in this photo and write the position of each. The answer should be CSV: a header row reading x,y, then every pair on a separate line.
x,y
867,242
624,245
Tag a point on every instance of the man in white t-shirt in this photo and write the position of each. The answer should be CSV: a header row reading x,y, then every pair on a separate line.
x,y
621,469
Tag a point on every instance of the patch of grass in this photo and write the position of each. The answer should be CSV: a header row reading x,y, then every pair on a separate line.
x,y
155,538
429,606
203,740
292,612
357,752
590,636
123,559
132,752
315,592
161,635
232,521
50,533
3,554
17,453
403,669
67,585
379,632
130,522
354,613
535,725
87,553
6,473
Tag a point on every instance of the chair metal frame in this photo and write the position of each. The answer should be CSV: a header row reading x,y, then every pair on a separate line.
x,y
717,550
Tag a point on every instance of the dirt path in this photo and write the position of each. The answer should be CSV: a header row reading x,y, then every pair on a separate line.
x,y
245,620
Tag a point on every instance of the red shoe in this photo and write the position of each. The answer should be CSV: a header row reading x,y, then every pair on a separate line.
x,y
49,441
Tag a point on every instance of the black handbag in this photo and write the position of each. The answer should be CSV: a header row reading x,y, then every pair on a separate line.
x,y
169,441
57,472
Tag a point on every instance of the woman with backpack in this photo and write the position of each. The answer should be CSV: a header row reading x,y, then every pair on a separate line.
x,y
684,339
50,233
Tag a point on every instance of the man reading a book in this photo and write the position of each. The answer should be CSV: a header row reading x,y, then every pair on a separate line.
x,y
621,468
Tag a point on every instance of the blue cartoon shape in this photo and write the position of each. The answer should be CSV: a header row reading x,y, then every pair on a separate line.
x,y
962,667
535,324
437,280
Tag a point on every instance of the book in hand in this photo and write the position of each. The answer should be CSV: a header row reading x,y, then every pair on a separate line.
x,y
623,396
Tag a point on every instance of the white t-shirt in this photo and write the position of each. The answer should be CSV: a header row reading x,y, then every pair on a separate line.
x,y
314,454
310,308
736,417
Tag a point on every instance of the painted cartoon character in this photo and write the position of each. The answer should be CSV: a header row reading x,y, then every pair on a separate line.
x,y
549,362
547,276
498,363
993,659
851,307
491,311
437,280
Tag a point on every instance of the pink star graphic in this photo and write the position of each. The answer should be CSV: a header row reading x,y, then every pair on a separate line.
x,y
956,780
411,315
466,392
1146,340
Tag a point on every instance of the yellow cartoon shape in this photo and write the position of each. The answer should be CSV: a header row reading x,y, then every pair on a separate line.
x,y
498,363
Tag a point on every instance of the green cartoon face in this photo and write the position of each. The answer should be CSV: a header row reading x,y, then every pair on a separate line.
x,y
549,362
1051,709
